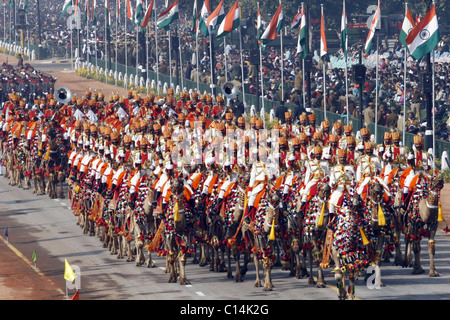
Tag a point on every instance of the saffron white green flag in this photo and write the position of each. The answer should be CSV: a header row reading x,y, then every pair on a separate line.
x,y
139,15
296,21
275,26
407,26
168,16
107,14
373,26
344,32
424,37
232,21
66,7
202,21
216,17
194,18
302,49
323,37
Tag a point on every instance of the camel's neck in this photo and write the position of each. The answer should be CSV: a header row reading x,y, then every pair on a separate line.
x,y
433,198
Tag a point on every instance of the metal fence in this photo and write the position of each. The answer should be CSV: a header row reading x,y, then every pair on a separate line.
x,y
252,100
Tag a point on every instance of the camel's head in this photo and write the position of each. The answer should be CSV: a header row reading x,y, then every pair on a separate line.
x,y
275,199
356,200
324,191
244,179
437,182
376,192
177,186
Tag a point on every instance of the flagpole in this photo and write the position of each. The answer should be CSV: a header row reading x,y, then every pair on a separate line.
x,y
346,66
126,47
434,112
242,68
196,57
170,58
147,34
181,59
303,84
282,63
324,77
117,41
226,59
87,33
210,58
137,51
261,68
404,85
242,61
96,54
376,84
157,55
106,41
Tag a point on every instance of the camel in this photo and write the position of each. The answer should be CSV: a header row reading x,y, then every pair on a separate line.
x,y
261,233
155,225
292,230
38,178
345,244
233,214
421,219
177,232
313,231
140,223
380,227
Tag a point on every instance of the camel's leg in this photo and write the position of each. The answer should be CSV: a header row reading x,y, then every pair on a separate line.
x,y
320,278
182,267
407,257
432,252
398,251
311,277
339,277
255,260
417,264
351,286
267,269
203,259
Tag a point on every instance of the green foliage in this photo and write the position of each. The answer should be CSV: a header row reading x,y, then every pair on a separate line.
x,y
446,174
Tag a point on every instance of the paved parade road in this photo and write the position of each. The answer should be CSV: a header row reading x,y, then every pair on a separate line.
x,y
49,227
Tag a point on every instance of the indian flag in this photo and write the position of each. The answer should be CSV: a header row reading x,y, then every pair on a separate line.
x,y
93,16
259,30
323,37
148,14
107,14
139,12
232,21
373,26
407,26
216,17
66,7
165,18
202,22
344,32
302,50
275,26
296,21
424,37
130,14
194,18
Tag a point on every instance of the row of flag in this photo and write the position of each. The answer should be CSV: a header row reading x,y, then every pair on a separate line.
x,y
419,37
